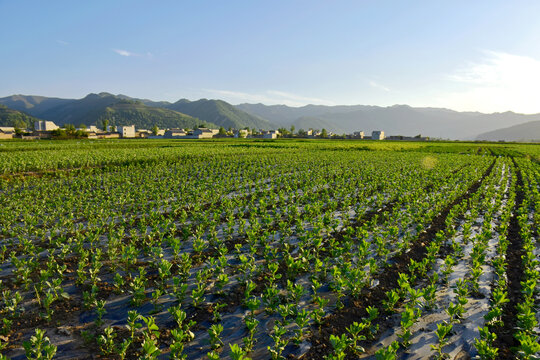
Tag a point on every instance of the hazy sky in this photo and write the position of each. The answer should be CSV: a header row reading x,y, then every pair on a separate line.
x,y
464,55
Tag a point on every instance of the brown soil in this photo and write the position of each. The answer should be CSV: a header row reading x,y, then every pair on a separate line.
x,y
514,271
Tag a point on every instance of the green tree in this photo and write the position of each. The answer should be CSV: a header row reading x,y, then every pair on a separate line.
x,y
222,131
105,124
292,129
19,124
70,129
283,132
324,133
155,130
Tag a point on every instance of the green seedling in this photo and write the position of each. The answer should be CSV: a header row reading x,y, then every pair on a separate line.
x,y
442,332
355,330
39,347
106,341
237,353
215,331
339,344
388,353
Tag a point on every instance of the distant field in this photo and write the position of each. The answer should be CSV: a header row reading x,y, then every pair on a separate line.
x,y
269,249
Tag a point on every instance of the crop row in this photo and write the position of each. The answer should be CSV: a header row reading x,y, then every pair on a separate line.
x,y
229,253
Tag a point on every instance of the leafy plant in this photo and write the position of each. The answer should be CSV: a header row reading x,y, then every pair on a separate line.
x,y
442,332
106,341
214,331
388,353
39,346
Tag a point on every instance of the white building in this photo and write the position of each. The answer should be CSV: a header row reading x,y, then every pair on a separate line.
x,y
126,131
7,132
204,133
359,134
174,133
243,133
43,125
377,135
272,134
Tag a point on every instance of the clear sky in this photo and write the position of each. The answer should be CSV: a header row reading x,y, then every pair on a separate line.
x,y
464,55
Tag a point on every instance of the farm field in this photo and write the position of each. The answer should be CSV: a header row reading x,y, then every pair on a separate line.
x,y
284,249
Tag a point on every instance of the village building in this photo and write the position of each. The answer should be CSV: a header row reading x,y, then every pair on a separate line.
x,y
126,131
204,133
43,134
43,125
108,135
377,135
7,132
143,133
272,134
92,128
243,133
174,133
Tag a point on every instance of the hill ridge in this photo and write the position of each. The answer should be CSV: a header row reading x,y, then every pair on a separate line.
x,y
93,108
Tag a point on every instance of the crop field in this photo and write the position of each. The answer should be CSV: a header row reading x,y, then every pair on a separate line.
x,y
282,249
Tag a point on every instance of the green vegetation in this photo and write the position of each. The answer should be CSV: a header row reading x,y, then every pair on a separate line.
x,y
17,119
68,132
268,249
146,117
220,113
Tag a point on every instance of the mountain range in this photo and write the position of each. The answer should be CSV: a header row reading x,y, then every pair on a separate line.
x,y
93,109
442,123
529,131
393,120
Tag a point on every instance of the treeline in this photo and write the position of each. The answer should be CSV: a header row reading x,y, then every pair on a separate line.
x,y
68,132
16,119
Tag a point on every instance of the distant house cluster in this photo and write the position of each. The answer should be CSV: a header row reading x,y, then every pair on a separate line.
x,y
200,133
377,135
48,129
206,133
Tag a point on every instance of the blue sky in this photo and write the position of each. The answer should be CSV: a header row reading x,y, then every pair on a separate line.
x,y
464,55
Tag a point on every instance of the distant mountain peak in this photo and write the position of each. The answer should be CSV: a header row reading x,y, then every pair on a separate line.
x,y
95,107
529,131
183,101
